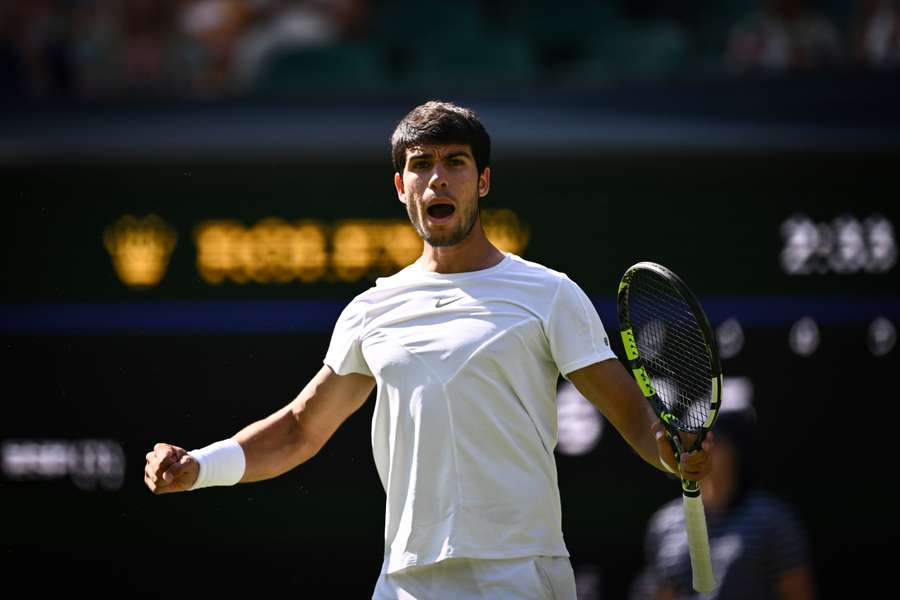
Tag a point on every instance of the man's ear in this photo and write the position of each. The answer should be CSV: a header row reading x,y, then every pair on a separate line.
x,y
484,182
398,185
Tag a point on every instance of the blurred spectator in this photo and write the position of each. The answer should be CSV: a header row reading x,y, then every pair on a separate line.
x,y
159,48
787,35
212,30
97,35
759,550
36,41
147,28
181,49
876,35
282,25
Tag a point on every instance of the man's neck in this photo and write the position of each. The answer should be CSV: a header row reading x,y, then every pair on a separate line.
x,y
474,253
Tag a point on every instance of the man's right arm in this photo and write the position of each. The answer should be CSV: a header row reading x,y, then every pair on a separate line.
x,y
294,434
278,443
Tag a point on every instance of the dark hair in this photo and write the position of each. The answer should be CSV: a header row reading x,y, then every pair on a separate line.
x,y
438,122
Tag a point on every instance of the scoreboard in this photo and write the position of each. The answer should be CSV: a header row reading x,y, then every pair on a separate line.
x,y
742,225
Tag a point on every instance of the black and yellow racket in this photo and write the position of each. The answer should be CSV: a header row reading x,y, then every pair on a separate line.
x,y
671,350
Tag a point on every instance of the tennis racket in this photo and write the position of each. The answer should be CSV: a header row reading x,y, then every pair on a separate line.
x,y
672,352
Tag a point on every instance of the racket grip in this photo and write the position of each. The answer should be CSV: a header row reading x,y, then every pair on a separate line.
x,y
698,543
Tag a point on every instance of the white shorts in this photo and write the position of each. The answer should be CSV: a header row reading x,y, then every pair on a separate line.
x,y
532,578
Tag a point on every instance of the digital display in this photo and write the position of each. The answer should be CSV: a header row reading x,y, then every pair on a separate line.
x,y
845,245
273,250
728,225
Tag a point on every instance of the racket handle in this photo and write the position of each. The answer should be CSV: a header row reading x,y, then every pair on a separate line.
x,y
698,543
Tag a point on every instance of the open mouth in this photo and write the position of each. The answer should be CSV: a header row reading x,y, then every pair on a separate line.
x,y
441,211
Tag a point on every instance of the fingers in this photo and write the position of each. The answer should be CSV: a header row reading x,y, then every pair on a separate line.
x,y
697,464
693,465
176,468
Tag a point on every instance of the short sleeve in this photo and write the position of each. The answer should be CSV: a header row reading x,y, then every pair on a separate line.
x,y
576,334
345,350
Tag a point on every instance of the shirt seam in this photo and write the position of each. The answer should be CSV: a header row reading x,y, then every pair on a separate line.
x,y
587,317
546,320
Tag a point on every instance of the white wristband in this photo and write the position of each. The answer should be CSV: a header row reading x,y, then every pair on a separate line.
x,y
221,463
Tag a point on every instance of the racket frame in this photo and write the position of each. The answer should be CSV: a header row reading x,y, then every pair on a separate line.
x,y
704,579
638,368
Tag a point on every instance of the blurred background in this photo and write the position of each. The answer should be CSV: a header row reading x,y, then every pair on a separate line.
x,y
196,188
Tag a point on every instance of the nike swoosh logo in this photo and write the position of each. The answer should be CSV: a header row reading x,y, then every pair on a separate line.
x,y
445,301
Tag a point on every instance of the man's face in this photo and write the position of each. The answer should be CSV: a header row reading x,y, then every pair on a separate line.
x,y
440,186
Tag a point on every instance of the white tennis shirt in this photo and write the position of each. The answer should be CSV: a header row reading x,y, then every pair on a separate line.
x,y
464,426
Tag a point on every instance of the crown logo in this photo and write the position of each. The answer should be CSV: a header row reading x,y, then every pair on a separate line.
x,y
140,248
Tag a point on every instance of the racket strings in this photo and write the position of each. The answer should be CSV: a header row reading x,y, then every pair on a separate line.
x,y
673,349
684,395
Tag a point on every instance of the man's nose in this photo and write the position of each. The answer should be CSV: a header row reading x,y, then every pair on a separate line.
x,y
438,178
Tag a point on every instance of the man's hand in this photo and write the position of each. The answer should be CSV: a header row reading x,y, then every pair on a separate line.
x,y
693,465
170,469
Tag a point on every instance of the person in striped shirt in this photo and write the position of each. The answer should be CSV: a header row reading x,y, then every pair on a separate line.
x,y
759,548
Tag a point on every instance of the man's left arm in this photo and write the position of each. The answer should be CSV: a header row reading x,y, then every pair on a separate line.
x,y
609,387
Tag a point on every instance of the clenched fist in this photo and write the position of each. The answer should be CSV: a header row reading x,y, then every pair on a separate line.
x,y
170,469
693,465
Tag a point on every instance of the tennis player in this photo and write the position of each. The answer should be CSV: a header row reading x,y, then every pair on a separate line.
x,y
465,347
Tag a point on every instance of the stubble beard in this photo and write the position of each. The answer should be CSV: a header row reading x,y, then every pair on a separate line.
x,y
457,235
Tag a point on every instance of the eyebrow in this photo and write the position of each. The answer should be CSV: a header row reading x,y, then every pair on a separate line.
x,y
428,154
457,154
